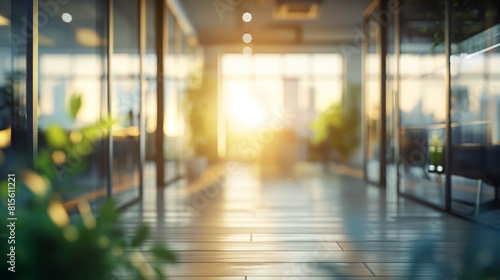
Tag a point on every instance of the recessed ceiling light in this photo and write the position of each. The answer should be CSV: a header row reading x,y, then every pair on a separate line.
x,y
247,38
247,50
247,17
67,17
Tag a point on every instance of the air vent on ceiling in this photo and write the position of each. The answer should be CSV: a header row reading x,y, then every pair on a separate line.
x,y
297,9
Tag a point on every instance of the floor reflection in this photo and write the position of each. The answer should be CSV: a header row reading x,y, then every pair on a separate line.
x,y
243,225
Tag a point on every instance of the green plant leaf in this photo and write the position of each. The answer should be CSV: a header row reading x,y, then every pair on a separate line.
x,y
159,273
56,137
75,103
140,236
164,254
108,211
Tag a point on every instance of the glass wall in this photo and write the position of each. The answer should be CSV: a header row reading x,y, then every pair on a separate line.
x,y
150,72
182,59
88,119
422,100
182,80
447,144
372,98
6,83
475,109
12,83
72,69
171,128
391,115
292,88
125,100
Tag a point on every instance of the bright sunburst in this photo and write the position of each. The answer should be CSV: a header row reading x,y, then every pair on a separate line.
x,y
244,109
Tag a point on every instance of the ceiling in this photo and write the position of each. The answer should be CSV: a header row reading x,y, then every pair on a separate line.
x,y
220,22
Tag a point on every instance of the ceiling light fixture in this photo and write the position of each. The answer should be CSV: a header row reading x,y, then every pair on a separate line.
x,y
67,17
247,38
297,9
247,17
247,50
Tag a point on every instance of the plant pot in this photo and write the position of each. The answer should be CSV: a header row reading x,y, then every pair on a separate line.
x,y
195,167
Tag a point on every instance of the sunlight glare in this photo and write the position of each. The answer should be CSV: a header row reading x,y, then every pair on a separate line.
x,y
243,108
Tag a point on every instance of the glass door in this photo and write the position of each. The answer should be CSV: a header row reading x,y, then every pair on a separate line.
x,y
372,101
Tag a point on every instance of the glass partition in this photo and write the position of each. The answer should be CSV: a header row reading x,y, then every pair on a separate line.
x,y
72,50
77,64
263,87
150,72
171,129
182,72
372,97
422,101
475,109
391,104
13,113
125,101
10,101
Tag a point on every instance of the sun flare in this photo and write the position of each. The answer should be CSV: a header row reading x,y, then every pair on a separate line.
x,y
244,109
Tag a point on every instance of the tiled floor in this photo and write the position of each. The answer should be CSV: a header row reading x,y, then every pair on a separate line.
x,y
306,226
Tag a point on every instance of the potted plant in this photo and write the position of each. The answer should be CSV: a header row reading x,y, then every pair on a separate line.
x,y
50,243
337,129
200,105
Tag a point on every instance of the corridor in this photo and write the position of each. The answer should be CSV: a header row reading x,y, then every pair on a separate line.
x,y
255,139
306,226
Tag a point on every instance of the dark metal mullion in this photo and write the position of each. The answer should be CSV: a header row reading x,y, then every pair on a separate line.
x,y
448,105
397,127
109,166
160,94
383,88
32,81
142,87
364,123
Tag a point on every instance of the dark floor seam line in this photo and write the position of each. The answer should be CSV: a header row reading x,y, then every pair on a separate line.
x,y
369,269
452,255
251,237
339,245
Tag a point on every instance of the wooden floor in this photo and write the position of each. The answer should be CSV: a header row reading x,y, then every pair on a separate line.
x,y
306,226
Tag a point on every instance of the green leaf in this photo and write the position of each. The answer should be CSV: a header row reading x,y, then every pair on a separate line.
x,y
44,164
108,211
159,272
140,236
56,137
75,103
163,254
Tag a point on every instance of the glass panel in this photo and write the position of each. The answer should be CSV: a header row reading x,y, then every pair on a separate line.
x,y
475,109
12,84
125,101
171,128
390,113
327,64
268,64
7,80
236,64
238,126
181,83
71,65
150,76
372,98
259,88
327,92
422,100
296,64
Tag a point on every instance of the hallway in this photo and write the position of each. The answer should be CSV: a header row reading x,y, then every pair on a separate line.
x,y
311,226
